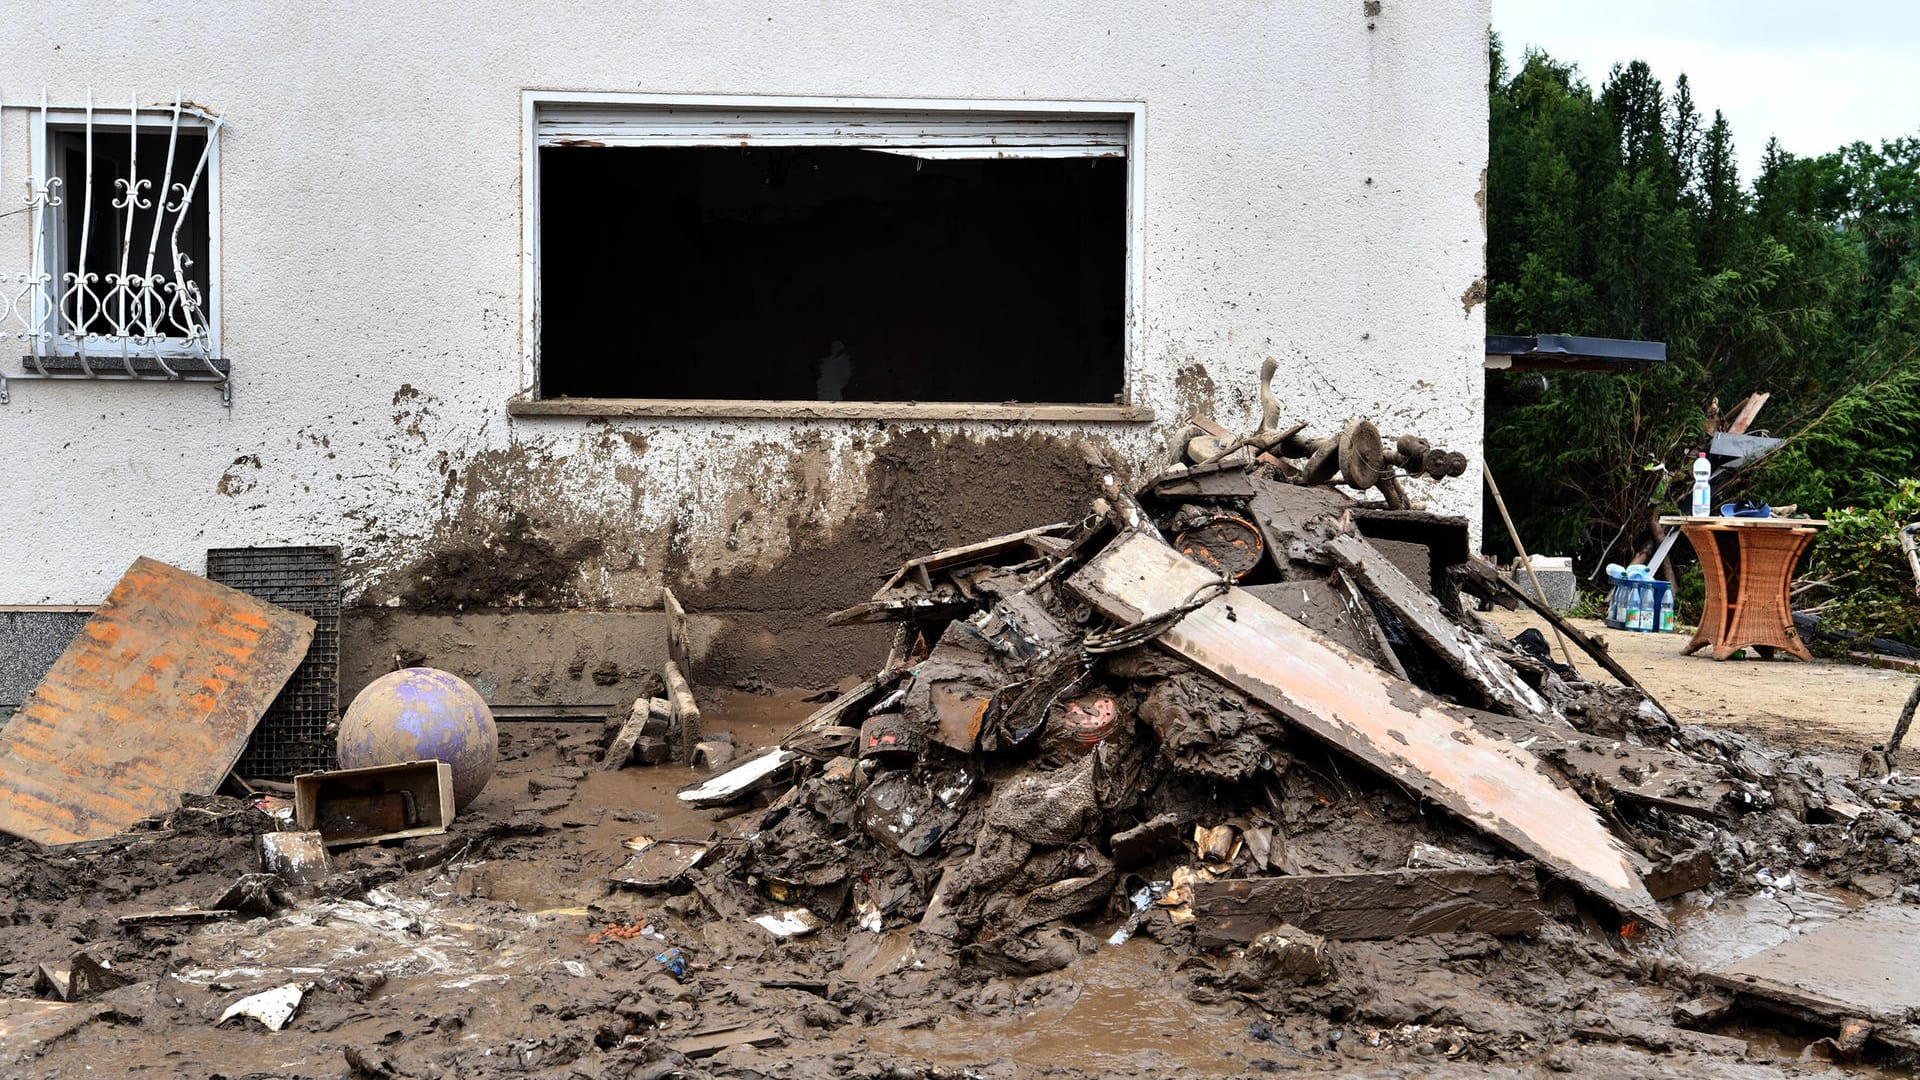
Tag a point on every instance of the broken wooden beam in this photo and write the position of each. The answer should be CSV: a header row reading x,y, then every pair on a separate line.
x,y
683,723
1499,899
708,1044
676,632
1432,748
649,716
1464,652
1587,644
683,715
921,569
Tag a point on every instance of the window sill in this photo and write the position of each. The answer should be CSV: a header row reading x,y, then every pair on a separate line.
x,y
108,362
827,410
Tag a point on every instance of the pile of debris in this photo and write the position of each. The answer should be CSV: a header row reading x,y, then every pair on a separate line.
x,y
1220,712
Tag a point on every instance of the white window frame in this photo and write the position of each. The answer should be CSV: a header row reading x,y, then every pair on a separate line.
x,y
110,123
717,133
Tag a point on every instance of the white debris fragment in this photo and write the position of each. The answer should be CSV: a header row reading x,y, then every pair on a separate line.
x,y
271,1007
794,922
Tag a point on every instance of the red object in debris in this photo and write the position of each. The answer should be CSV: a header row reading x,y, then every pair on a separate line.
x,y
1086,721
889,735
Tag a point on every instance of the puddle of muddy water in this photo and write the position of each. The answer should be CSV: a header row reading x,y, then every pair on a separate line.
x,y
1720,930
1123,1014
572,867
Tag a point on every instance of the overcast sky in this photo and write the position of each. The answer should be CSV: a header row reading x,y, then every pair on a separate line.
x,y
1816,74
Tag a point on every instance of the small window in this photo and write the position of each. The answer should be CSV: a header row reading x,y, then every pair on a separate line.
x,y
121,238
805,255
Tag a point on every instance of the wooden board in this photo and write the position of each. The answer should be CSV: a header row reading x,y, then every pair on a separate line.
x,y
28,1027
1606,768
154,699
1465,653
1501,899
979,551
676,631
707,1045
1859,966
1432,748
683,715
1744,413
1746,522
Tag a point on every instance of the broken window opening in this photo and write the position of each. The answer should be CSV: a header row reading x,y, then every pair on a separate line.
x,y
932,273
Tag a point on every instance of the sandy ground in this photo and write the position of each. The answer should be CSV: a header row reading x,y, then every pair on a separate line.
x,y
1822,705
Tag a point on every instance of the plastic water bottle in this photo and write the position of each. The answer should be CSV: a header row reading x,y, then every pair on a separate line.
x,y
1666,614
1702,494
1616,596
1640,606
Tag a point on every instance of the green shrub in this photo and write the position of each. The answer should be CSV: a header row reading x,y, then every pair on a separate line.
x,y
1690,599
1858,573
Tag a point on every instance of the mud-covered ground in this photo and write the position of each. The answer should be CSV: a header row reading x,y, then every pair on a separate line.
x,y
501,950
1813,706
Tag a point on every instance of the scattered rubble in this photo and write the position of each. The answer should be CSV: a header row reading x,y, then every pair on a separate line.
x,y
1235,740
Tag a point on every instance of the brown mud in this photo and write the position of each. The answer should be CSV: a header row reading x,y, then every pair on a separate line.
x,y
476,955
925,491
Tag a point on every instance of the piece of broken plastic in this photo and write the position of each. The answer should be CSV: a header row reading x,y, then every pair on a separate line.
x,y
271,1007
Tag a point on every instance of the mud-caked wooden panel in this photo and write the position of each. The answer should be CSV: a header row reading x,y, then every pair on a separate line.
x,y
153,700
1408,735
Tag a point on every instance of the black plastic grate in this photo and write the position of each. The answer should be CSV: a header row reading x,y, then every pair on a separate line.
x,y
294,736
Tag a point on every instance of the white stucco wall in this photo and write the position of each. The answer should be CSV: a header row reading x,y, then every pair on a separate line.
x,y
1312,181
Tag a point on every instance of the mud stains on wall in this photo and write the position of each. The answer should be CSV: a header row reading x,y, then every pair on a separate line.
x,y
510,566
1475,295
923,491
761,539
1196,390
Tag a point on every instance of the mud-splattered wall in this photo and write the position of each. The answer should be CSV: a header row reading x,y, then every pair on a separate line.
x,y
1310,194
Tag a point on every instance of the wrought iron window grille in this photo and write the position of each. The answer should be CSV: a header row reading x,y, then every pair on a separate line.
x,y
121,280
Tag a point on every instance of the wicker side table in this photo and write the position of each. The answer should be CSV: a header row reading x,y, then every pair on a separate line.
x,y
1748,564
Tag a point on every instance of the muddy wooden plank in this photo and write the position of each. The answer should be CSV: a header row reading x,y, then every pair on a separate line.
x,y
154,699
1605,768
28,1027
1502,899
1324,607
700,1046
1861,965
683,715
1429,746
648,716
1283,511
979,551
1464,652
901,608
845,710
676,632
178,917
1214,480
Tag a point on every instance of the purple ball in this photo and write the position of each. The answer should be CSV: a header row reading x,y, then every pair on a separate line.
x,y
422,714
